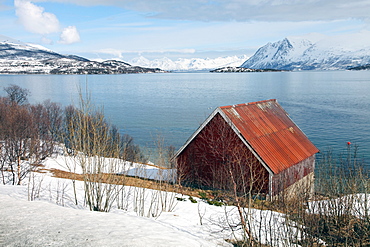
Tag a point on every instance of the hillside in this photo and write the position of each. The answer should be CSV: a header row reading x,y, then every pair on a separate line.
x,y
313,52
17,57
363,67
140,216
43,223
241,70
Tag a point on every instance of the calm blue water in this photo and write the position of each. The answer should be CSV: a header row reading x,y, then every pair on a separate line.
x,y
330,107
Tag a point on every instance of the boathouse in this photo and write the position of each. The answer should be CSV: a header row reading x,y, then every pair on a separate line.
x,y
254,146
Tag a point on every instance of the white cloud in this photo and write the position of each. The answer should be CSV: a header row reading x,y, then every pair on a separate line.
x,y
35,19
69,35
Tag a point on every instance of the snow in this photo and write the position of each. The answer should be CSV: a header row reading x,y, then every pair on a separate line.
x,y
5,39
40,223
53,218
184,64
39,47
30,66
19,57
357,205
313,51
149,171
22,45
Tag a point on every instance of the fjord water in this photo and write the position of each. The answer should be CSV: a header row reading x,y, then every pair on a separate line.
x,y
331,107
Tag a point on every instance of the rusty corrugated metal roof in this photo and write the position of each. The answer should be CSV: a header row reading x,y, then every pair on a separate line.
x,y
268,129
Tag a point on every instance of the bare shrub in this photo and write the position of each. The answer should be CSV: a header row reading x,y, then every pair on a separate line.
x,y
151,203
34,186
93,145
340,216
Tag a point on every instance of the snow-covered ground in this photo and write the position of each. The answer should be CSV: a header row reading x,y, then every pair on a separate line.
x,y
149,171
53,218
42,223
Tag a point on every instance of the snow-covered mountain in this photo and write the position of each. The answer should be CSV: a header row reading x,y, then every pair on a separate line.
x,y
17,57
192,64
11,49
313,52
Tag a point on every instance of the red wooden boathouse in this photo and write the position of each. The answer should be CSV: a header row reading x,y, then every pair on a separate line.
x,y
254,145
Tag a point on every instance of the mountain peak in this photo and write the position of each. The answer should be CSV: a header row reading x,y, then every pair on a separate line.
x,y
312,51
6,39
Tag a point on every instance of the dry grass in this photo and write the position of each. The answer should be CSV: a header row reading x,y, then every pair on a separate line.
x,y
158,185
131,181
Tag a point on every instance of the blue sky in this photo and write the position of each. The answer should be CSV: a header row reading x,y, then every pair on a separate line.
x,y
174,28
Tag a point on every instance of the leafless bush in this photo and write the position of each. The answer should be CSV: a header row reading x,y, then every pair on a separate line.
x,y
123,200
93,145
34,186
340,216
151,203
129,151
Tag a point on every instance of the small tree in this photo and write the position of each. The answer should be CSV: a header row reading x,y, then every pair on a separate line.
x,y
54,115
27,133
16,94
25,139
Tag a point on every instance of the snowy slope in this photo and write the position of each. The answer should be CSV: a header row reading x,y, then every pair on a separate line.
x,y
17,57
185,64
41,223
313,52
53,219
22,51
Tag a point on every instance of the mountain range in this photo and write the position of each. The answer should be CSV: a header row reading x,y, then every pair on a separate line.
x,y
314,52
190,64
17,57
310,52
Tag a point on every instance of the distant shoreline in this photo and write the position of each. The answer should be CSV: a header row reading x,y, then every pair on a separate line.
x,y
243,70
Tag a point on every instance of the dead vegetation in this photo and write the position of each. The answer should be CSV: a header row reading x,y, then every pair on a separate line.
x,y
132,181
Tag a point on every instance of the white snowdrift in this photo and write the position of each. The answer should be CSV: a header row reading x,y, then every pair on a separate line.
x,y
40,223
54,219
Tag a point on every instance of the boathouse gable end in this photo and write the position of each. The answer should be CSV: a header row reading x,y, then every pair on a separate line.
x,y
256,139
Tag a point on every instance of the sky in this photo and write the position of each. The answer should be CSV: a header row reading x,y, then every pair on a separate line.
x,y
124,29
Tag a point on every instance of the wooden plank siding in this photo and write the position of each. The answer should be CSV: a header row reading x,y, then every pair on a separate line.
x,y
215,152
257,142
